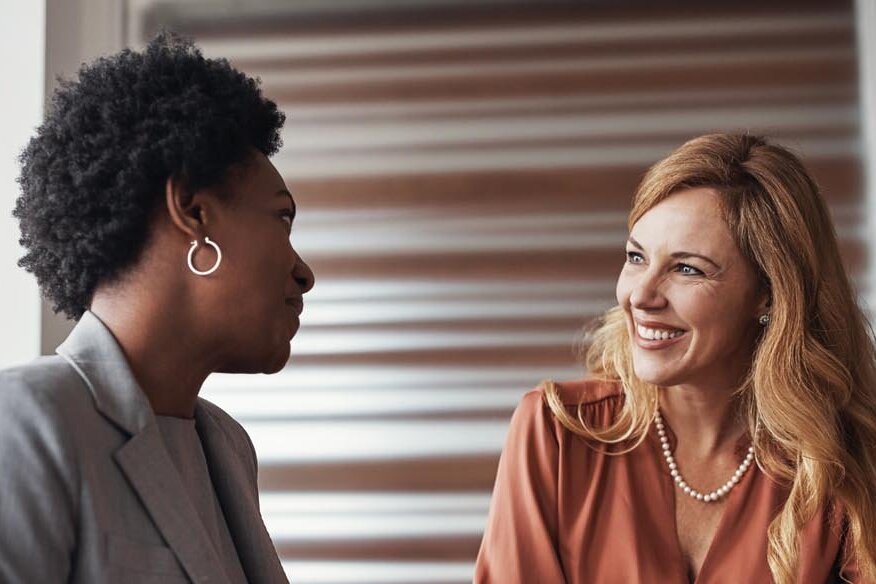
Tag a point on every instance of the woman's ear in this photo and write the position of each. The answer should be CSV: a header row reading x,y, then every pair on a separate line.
x,y
185,209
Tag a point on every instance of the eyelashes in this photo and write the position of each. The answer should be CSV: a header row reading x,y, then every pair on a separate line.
x,y
692,271
288,214
635,258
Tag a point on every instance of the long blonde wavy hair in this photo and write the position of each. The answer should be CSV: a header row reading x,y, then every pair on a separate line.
x,y
809,398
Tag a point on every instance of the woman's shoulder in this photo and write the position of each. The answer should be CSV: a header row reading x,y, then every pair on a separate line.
x,y
598,401
586,394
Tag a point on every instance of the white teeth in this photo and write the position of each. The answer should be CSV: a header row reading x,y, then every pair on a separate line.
x,y
657,334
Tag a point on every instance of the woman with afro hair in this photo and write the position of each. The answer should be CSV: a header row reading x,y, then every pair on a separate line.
x,y
149,213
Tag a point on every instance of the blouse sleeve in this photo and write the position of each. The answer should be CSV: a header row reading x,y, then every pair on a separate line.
x,y
520,541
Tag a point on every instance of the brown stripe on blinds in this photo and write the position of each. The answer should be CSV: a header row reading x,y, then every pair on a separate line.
x,y
830,69
511,191
460,243
580,48
458,474
594,140
448,548
608,104
328,18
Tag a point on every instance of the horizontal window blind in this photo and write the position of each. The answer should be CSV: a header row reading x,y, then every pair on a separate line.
x,y
463,178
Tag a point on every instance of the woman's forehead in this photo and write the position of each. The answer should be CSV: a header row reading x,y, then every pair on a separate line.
x,y
692,217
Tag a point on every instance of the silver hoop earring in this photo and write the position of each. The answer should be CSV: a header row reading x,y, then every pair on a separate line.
x,y
192,253
764,319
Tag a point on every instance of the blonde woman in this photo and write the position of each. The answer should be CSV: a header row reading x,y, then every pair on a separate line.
x,y
727,430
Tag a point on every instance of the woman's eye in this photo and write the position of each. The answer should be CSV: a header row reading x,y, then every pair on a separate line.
x,y
689,270
287,217
634,257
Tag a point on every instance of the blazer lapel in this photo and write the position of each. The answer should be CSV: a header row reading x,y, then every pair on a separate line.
x,y
95,355
146,464
233,481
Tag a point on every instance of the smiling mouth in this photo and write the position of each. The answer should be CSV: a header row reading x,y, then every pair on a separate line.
x,y
653,338
657,334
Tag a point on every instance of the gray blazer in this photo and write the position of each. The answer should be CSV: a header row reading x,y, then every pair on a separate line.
x,y
88,492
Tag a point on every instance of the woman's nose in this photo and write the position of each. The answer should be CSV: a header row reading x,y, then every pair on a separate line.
x,y
647,294
303,275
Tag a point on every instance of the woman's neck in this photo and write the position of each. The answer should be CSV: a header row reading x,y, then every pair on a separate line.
x,y
162,350
705,421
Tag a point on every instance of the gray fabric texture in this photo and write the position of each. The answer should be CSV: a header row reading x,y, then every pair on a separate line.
x,y
184,446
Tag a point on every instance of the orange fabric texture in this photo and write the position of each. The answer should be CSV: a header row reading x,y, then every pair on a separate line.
x,y
564,512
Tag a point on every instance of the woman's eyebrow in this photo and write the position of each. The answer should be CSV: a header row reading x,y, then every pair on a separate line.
x,y
678,254
687,254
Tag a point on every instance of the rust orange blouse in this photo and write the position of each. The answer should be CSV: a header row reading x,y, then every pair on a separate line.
x,y
562,512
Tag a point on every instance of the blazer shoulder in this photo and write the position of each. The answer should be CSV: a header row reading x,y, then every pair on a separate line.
x,y
220,417
232,429
46,384
39,406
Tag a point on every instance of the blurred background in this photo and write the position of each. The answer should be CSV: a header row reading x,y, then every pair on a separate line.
x,y
463,170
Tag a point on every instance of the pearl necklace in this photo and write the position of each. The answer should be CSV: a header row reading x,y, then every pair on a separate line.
x,y
715,495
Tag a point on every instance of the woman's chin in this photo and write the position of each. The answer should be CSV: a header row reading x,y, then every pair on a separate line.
x,y
278,362
660,376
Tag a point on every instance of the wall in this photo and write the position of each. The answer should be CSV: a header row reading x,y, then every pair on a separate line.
x,y
22,40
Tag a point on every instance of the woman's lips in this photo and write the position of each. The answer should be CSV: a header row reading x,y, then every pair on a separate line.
x,y
297,304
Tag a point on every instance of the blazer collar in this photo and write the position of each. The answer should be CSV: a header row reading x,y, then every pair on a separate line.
x,y
92,350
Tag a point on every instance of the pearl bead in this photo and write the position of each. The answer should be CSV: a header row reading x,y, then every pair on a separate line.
x,y
721,491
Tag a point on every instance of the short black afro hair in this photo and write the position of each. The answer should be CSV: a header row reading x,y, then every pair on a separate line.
x,y
94,173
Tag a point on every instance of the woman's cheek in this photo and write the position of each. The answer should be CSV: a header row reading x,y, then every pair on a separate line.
x,y
622,289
